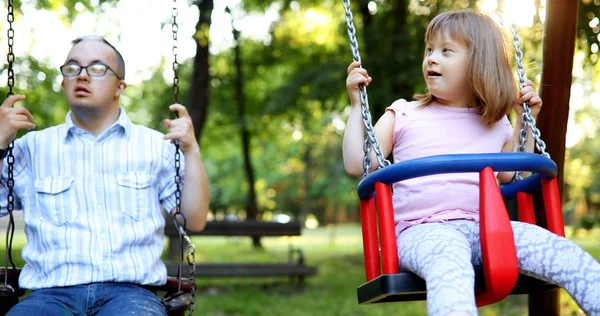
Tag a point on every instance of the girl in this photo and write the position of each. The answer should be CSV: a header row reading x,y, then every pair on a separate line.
x,y
471,89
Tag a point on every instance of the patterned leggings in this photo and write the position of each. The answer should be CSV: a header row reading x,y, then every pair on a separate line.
x,y
444,254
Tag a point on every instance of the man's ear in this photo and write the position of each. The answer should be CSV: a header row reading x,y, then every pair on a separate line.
x,y
120,88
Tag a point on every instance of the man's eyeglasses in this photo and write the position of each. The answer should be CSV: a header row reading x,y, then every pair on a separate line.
x,y
93,70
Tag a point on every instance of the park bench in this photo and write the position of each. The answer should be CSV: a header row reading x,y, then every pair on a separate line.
x,y
295,266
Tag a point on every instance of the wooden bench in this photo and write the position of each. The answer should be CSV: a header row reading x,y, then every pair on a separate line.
x,y
295,266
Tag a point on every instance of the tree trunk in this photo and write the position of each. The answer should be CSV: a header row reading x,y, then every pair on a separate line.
x,y
199,86
559,48
252,207
389,27
307,184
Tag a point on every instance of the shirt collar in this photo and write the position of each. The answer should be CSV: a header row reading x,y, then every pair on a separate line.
x,y
122,122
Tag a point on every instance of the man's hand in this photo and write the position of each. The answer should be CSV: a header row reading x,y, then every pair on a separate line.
x,y
182,129
13,119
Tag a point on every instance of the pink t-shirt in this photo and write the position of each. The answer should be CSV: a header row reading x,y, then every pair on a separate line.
x,y
439,130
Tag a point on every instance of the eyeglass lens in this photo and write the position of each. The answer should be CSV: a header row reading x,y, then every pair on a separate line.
x,y
92,70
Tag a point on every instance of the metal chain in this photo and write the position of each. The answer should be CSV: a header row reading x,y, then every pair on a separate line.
x,y
190,257
10,57
527,120
175,29
371,141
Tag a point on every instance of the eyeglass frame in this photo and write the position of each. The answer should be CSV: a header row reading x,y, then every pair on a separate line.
x,y
81,68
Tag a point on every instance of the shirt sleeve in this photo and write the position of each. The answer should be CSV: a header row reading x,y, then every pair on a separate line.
x,y
400,109
509,130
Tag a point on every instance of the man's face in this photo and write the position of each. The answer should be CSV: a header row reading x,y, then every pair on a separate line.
x,y
92,92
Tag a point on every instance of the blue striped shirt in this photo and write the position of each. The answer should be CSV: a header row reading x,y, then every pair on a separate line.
x,y
92,205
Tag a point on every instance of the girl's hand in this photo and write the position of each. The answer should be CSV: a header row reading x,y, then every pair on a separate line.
x,y
356,77
530,95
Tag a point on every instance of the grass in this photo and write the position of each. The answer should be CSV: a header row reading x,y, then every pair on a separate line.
x,y
337,252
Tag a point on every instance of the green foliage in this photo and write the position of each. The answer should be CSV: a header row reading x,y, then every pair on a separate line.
x,y
69,9
295,96
40,83
147,103
588,222
588,28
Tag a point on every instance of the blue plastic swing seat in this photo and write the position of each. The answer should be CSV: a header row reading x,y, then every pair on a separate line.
x,y
405,286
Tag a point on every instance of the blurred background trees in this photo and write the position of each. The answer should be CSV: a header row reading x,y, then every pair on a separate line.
x,y
270,107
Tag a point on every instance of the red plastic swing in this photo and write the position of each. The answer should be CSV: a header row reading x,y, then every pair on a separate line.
x,y
500,270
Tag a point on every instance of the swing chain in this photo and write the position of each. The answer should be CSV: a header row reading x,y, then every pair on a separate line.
x,y
190,256
174,29
371,141
191,259
526,118
10,57
10,158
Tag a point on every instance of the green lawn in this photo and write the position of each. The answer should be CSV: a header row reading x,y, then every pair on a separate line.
x,y
337,252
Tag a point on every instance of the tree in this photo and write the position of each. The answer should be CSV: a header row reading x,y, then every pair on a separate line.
x,y
199,89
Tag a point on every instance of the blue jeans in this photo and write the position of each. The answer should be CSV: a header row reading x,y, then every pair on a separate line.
x,y
91,299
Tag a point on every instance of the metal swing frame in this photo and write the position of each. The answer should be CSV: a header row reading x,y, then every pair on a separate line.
x,y
500,276
180,292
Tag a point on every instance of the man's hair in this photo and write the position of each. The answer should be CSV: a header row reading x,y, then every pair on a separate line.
x,y
489,72
120,61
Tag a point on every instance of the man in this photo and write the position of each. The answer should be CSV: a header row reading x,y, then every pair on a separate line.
x,y
91,191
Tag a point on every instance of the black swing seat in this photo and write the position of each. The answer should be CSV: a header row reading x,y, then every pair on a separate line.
x,y
13,281
177,299
9,295
171,286
406,286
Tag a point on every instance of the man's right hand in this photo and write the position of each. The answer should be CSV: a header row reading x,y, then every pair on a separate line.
x,y
13,119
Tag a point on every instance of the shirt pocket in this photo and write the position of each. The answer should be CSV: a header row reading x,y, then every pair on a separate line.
x,y
56,199
135,192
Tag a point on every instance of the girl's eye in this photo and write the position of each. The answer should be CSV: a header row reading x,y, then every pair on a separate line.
x,y
429,50
445,50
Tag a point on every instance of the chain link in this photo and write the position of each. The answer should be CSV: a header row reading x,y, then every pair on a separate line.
x,y
174,30
10,57
191,259
527,120
371,141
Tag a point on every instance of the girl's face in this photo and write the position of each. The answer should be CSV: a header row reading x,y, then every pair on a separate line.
x,y
445,69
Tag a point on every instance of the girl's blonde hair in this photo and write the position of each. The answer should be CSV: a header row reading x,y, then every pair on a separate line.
x,y
489,71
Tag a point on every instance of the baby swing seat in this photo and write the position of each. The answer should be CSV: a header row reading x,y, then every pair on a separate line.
x,y
499,276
